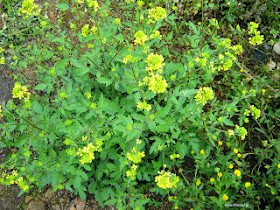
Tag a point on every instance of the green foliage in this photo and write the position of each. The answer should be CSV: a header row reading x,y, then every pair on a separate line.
x,y
117,111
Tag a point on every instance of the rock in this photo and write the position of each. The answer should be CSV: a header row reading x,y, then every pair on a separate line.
x,y
270,65
49,194
276,48
78,204
36,204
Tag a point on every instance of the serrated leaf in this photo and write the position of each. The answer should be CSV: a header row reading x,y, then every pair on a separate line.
x,y
52,138
182,149
104,80
87,167
163,112
92,187
81,69
227,122
154,147
111,202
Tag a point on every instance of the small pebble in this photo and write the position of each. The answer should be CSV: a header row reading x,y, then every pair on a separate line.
x,y
276,48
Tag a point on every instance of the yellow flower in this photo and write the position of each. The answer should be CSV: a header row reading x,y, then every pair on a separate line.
x,y
239,155
156,83
203,95
135,156
230,166
263,90
192,152
278,165
220,143
220,174
156,34
2,60
140,38
1,115
138,141
198,182
155,62
93,4
166,180
247,184
157,13
225,197
144,105
28,7
235,151
237,173
212,179
202,151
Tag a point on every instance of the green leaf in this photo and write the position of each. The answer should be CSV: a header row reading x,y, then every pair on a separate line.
x,y
41,86
77,182
52,138
81,69
227,122
62,6
104,80
82,195
182,149
163,112
37,107
92,187
111,202
101,102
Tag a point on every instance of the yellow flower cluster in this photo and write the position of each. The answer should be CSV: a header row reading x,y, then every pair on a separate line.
x,y
93,4
157,13
130,58
87,153
256,38
9,179
2,60
214,22
156,83
135,156
144,105
86,31
140,38
156,34
20,92
202,59
241,131
238,49
203,95
28,7
155,62
132,172
166,180
174,156
255,112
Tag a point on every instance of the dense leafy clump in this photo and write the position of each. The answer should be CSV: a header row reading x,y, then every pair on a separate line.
x,y
125,94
